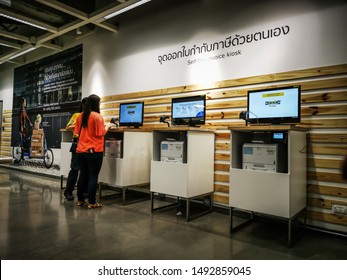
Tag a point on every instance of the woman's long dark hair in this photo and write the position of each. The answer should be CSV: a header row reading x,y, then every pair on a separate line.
x,y
92,105
82,104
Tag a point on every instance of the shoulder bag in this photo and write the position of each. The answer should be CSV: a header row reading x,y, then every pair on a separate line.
x,y
74,144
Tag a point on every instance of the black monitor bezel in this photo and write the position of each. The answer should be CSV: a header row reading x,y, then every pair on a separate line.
x,y
252,119
189,121
130,124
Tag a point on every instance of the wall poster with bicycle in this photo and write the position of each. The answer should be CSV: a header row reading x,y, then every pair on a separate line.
x,y
45,95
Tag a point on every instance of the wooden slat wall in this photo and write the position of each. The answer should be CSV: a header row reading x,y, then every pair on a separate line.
x,y
324,114
6,133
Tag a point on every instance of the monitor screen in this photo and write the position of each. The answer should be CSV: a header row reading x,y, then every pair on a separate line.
x,y
189,110
274,106
131,114
278,135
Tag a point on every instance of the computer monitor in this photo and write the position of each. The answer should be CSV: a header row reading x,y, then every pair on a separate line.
x,y
131,114
189,110
274,106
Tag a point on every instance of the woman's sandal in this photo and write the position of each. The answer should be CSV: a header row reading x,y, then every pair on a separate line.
x,y
81,203
96,205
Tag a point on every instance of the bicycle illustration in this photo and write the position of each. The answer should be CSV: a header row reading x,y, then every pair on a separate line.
x,y
33,146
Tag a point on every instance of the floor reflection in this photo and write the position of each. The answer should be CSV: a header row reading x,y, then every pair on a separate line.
x,y
36,223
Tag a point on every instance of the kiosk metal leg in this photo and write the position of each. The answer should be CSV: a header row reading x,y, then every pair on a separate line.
x,y
189,217
202,213
290,233
291,239
61,182
177,204
300,231
248,221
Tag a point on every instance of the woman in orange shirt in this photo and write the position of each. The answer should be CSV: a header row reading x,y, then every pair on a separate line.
x,y
74,167
91,129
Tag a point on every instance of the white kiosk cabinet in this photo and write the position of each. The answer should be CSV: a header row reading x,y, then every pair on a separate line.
x,y
65,155
131,168
188,177
255,186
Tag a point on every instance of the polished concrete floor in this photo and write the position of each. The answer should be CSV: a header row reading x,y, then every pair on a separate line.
x,y
36,223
